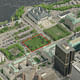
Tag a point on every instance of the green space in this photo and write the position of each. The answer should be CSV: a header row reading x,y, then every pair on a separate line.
x,y
6,28
57,32
78,15
37,59
22,30
5,22
18,13
2,62
0,79
42,65
77,29
50,6
36,42
13,51
38,52
26,34
67,7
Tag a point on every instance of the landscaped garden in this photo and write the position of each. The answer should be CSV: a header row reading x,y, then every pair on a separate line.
x,y
22,30
6,28
13,51
37,59
4,22
18,13
36,42
57,32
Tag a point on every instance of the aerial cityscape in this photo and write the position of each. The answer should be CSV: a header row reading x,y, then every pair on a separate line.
x,y
39,39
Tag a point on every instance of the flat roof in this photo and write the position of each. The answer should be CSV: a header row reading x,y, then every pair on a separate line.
x,y
48,74
73,18
65,46
75,42
77,65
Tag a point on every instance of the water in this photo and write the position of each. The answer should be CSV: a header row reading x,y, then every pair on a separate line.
x,y
8,7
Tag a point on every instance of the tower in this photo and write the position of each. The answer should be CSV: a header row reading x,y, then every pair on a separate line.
x,y
64,55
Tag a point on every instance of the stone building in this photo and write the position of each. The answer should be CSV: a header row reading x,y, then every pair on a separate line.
x,y
71,21
38,15
64,56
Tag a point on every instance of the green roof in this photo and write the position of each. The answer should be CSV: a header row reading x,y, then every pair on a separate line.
x,y
73,19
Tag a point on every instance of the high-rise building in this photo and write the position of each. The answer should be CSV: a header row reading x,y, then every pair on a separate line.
x,y
64,55
75,75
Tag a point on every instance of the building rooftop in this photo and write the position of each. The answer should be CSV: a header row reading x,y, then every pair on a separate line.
x,y
73,18
48,74
38,13
76,63
65,46
75,42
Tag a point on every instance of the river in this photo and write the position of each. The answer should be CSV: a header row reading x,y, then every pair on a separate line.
x,y
8,7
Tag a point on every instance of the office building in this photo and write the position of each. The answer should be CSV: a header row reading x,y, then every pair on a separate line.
x,y
76,68
64,55
71,21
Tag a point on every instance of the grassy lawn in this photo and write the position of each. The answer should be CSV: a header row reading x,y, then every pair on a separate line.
x,y
77,29
0,79
5,22
18,13
57,32
13,51
36,42
36,59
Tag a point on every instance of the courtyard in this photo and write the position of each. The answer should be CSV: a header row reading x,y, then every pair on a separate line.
x,y
57,32
36,42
